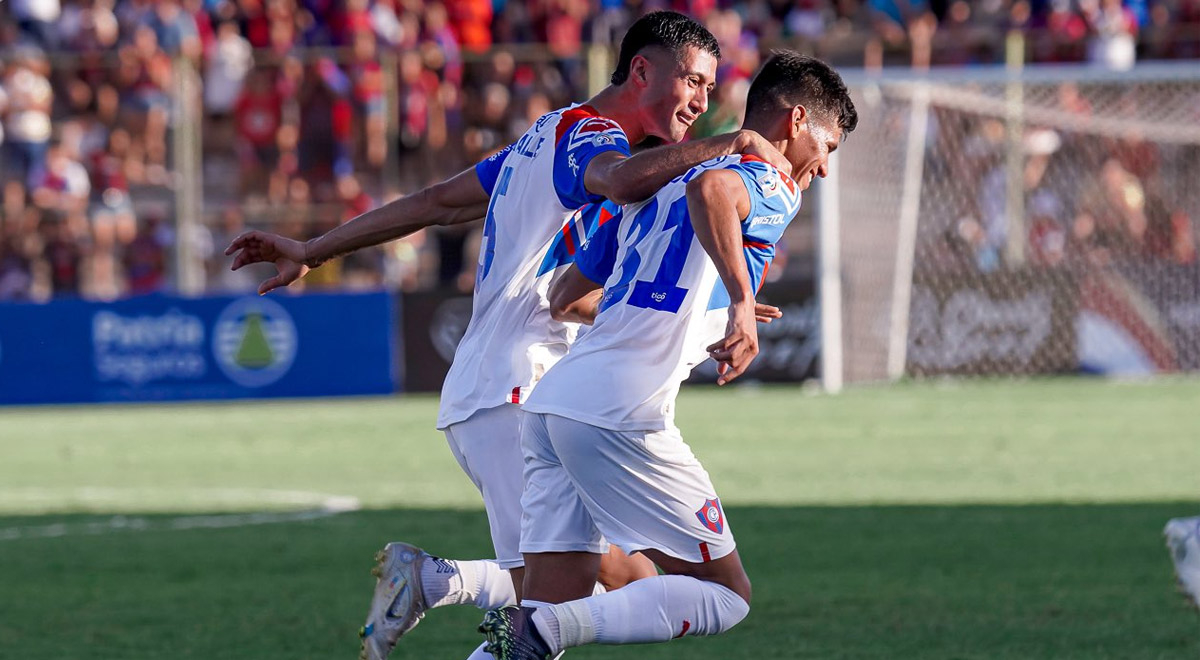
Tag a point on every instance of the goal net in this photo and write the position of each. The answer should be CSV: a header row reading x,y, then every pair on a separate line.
x,y
1038,222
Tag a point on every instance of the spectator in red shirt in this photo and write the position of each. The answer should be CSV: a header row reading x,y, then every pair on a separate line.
x,y
257,118
438,33
146,258
255,25
63,255
367,75
472,23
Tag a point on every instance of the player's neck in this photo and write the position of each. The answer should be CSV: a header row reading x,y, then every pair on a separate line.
x,y
619,103
772,134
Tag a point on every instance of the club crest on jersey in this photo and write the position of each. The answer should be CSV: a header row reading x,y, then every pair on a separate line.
x,y
599,131
770,183
711,516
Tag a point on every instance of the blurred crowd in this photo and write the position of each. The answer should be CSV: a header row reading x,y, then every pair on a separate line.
x,y
1089,200
314,111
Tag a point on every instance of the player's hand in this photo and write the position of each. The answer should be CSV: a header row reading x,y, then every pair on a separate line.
x,y
766,313
752,144
259,247
736,351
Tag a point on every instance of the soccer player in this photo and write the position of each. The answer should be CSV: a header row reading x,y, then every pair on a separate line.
x,y
527,194
604,459
1183,540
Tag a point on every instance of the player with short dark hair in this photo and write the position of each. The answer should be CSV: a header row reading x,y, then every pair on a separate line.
x,y
603,457
667,30
527,194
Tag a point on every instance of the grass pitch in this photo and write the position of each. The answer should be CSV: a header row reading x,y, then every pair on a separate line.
x,y
982,520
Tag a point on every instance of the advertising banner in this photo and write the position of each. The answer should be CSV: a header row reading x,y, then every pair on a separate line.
x,y
1140,317
435,321
789,348
1013,322
160,347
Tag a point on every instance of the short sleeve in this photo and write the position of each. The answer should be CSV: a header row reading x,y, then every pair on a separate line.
x,y
488,169
577,144
774,200
597,257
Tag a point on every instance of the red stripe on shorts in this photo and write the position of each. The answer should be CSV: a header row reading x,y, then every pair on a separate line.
x,y
704,552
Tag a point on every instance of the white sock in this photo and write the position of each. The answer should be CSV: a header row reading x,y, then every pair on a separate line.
x,y
480,583
480,654
656,609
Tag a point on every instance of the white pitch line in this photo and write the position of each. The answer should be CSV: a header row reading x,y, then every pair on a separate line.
x,y
106,496
331,506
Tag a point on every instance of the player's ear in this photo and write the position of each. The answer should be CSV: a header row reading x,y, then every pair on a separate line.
x,y
799,120
639,70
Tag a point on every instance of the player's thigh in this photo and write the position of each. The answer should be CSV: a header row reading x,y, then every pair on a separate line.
x,y
645,490
554,519
487,446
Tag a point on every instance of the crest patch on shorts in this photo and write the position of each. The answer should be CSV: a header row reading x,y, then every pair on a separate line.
x,y
711,516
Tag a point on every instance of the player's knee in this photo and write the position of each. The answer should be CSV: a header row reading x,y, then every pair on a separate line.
x,y
742,587
736,582
714,607
731,608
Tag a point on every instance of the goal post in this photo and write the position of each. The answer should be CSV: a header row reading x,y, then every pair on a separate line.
x,y
970,245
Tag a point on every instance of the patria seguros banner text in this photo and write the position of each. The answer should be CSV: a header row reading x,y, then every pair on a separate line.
x,y
168,348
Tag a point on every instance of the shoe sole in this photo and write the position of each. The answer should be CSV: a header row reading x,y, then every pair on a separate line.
x,y
1191,600
376,572
381,559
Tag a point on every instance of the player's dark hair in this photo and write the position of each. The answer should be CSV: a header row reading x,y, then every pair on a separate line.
x,y
789,79
666,29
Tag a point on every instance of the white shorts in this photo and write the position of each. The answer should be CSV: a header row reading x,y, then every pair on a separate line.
x,y
488,447
640,490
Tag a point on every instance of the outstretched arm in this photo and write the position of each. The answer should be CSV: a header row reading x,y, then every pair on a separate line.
x,y
459,199
456,200
717,203
628,179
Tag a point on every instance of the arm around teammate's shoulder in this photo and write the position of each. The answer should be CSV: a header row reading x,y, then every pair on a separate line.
x,y
629,179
